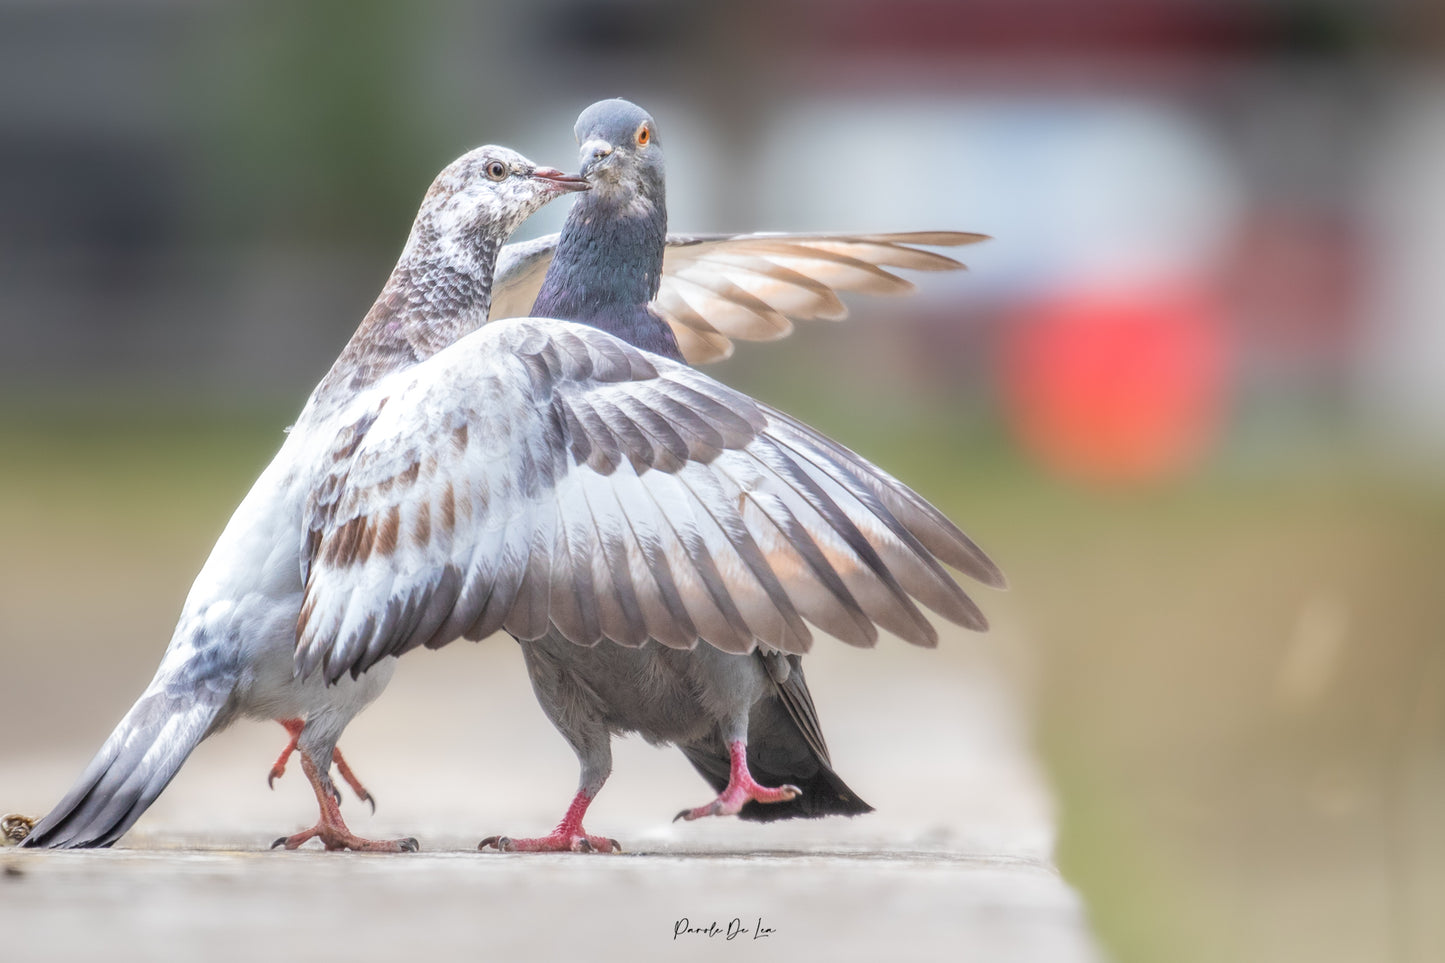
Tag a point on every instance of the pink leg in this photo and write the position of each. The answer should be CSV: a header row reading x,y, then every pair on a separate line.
x,y
569,836
740,789
351,779
293,726
331,829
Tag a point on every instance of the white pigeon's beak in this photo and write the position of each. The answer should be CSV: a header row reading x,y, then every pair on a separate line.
x,y
560,182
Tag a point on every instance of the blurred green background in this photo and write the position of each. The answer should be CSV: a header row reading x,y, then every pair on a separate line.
x,y
1223,517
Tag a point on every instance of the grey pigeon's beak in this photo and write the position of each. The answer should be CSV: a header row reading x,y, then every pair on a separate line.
x,y
561,182
596,154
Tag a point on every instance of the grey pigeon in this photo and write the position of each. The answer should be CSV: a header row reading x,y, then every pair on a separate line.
x,y
606,272
655,510
232,654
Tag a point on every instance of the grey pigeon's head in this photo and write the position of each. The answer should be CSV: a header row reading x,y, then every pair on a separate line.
x,y
621,154
480,198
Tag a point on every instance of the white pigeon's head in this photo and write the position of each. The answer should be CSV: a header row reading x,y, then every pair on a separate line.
x,y
480,198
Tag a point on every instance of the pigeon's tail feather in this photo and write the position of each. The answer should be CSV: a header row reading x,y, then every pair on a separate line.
x,y
785,747
823,794
136,763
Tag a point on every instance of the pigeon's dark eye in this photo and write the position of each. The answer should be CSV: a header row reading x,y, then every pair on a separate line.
x,y
496,170
643,136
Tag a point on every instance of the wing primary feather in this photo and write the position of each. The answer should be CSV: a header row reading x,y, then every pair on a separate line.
x,y
844,618
717,506
629,626
729,632
934,529
675,626
906,620
914,566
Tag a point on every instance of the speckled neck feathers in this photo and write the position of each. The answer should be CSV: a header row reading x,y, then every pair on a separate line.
x,y
608,267
438,292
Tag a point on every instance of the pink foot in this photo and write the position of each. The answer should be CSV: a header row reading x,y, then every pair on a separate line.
x,y
740,790
334,839
558,842
568,837
331,829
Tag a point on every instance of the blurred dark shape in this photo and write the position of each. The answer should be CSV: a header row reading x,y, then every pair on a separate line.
x,y
1118,387
1299,27
103,202
622,26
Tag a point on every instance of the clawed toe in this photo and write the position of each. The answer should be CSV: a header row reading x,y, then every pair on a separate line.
x,y
734,797
555,843
335,840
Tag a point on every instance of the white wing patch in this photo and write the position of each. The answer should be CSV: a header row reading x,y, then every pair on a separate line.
x,y
540,475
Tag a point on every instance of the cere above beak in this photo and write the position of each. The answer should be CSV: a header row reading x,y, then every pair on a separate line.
x,y
560,181
596,154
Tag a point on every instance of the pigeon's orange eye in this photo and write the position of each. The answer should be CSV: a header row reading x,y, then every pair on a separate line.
x,y
496,170
643,136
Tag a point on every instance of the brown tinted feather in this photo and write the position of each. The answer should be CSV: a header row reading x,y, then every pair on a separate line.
x,y
388,530
343,547
448,509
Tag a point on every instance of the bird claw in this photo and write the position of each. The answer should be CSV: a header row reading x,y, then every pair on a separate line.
x,y
334,839
556,843
733,798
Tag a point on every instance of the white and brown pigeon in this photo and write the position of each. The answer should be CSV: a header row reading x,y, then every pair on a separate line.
x,y
654,540
232,654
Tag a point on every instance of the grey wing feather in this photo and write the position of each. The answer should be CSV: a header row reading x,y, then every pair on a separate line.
x,y
752,287
542,476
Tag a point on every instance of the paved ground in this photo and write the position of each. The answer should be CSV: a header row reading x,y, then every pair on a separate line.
x,y
954,865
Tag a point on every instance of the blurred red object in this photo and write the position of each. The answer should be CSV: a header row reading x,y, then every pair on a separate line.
x,y
1121,386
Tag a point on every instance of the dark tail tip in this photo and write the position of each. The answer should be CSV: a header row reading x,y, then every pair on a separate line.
x,y
824,794
139,760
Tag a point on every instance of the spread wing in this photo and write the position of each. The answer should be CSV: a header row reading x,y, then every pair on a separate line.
x,y
717,287
544,476
521,266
